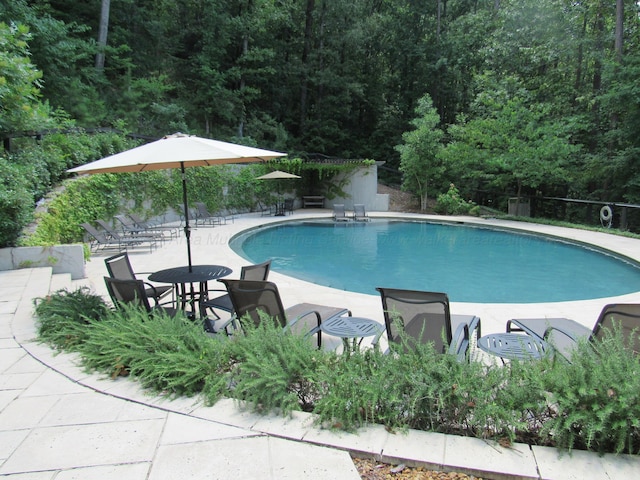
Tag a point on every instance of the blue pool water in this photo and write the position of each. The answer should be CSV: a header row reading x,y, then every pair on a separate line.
x,y
471,264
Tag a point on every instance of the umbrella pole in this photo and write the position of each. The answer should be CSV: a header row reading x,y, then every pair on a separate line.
x,y
187,229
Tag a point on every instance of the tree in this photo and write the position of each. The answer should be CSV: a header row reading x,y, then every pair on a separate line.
x,y
20,107
419,162
512,144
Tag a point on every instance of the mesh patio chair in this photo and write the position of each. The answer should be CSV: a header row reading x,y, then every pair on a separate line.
x,y
133,292
265,210
99,240
133,238
288,206
119,266
259,271
359,213
425,317
339,213
204,217
129,227
564,333
145,226
250,297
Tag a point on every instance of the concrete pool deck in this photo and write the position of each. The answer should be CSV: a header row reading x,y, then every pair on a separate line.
x,y
57,421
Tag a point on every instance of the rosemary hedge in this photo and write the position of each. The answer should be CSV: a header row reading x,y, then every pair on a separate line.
x,y
592,403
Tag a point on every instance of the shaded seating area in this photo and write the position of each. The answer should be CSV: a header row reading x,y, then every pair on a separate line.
x,y
133,292
119,267
563,334
250,297
420,317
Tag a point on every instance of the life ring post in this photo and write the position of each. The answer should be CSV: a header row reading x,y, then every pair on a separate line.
x,y
606,216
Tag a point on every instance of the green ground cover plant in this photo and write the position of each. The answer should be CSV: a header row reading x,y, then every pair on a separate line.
x,y
592,403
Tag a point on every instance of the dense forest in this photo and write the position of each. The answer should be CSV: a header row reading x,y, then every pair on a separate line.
x,y
500,97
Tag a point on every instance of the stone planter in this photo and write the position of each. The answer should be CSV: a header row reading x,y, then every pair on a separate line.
x,y
62,259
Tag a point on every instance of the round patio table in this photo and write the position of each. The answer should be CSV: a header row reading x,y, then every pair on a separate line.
x,y
351,327
184,279
514,346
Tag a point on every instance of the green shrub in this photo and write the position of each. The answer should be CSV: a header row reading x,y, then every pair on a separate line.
x,y
274,369
63,316
596,398
169,355
451,203
16,202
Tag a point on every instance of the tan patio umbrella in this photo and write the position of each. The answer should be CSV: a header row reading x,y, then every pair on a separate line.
x,y
278,175
178,151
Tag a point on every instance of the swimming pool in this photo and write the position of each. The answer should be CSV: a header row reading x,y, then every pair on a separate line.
x,y
470,263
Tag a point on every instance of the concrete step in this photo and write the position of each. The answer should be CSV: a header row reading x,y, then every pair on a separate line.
x,y
60,281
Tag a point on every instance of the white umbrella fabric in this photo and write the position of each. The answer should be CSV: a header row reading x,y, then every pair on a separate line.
x,y
178,151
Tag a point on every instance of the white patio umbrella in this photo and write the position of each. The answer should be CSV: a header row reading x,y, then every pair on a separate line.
x,y
178,151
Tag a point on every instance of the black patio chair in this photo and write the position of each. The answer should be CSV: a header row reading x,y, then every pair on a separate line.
x,y
145,226
259,271
133,238
119,266
563,333
205,218
133,292
425,317
99,240
250,297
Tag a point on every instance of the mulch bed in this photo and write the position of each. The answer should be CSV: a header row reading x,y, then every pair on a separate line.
x,y
372,470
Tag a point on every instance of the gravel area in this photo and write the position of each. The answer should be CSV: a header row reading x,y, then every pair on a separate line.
x,y
371,470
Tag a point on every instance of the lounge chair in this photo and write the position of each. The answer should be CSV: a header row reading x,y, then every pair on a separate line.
x,y
129,227
425,317
119,267
564,333
250,297
134,238
203,217
133,292
100,240
145,226
339,214
359,213
258,271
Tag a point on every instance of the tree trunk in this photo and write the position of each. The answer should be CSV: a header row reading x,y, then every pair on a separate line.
x,y
304,83
619,29
241,123
103,30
